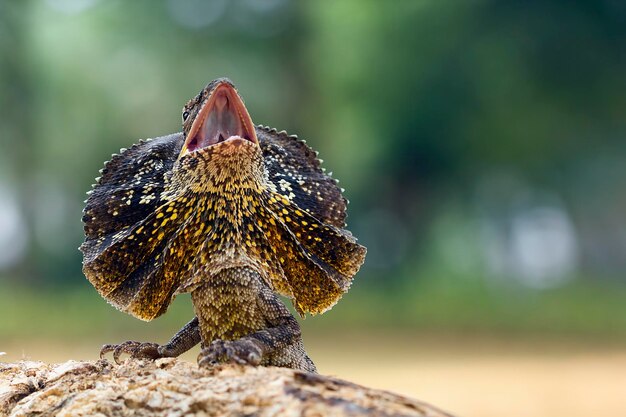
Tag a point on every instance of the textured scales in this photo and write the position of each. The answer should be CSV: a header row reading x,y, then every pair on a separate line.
x,y
161,222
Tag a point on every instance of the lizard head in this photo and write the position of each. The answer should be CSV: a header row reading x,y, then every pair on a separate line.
x,y
220,151
217,114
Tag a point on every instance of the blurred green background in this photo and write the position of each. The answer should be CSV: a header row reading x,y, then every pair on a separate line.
x,y
482,145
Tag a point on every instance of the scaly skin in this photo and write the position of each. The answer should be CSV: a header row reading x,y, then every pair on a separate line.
x,y
230,221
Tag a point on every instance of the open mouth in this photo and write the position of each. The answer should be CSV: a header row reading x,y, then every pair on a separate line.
x,y
222,117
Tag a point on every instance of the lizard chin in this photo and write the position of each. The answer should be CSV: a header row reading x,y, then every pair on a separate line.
x,y
222,118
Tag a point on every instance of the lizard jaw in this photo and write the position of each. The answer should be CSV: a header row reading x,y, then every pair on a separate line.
x,y
222,117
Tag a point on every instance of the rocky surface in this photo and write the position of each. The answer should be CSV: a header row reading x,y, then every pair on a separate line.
x,y
170,387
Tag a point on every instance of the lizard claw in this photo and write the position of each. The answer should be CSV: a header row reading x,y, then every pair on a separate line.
x,y
242,351
136,350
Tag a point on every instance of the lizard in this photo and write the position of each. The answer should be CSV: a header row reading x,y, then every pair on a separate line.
x,y
232,213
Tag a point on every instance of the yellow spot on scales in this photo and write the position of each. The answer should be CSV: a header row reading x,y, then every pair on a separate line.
x,y
199,231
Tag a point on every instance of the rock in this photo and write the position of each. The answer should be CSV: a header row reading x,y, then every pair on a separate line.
x,y
171,387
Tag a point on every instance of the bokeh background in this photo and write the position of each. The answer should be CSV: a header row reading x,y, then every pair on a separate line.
x,y
482,145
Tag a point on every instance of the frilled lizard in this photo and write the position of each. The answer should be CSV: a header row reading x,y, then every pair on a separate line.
x,y
232,213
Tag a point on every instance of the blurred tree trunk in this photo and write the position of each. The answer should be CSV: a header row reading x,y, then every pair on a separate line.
x,y
18,115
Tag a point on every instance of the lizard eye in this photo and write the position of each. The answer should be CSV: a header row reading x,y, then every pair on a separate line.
x,y
185,115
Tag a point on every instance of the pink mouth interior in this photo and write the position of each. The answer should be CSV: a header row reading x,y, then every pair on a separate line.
x,y
223,117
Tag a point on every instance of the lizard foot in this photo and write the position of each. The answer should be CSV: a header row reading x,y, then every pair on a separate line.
x,y
136,350
242,351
